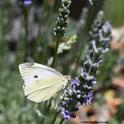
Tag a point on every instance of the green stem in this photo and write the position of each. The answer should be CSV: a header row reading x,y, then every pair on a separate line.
x,y
55,52
62,120
25,13
46,110
55,117
45,55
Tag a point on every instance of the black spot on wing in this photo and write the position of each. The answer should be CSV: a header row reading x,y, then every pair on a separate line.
x,y
35,76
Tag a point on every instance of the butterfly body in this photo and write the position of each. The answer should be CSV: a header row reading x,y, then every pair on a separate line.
x,y
41,82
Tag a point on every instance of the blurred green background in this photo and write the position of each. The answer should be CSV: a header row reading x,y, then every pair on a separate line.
x,y
114,11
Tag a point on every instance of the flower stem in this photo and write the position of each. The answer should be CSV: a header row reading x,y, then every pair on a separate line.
x,y
55,117
62,120
55,52
47,107
25,14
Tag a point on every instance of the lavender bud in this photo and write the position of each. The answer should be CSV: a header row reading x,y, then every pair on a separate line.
x,y
62,19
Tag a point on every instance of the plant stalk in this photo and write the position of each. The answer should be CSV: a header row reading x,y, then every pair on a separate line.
x,y
25,13
55,116
55,52
62,120
46,110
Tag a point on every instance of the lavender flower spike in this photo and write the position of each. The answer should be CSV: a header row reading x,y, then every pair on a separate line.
x,y
80,90
62,21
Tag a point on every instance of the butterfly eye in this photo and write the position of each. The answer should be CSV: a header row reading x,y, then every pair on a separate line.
x,y
35,76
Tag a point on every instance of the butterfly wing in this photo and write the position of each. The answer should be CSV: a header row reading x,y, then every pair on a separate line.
x,y
44,94
40,82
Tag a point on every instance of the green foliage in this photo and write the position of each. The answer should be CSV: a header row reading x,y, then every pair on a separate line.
x,y
106,70
114,11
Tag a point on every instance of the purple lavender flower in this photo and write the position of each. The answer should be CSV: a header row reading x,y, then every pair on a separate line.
x,y
75,82
80,90
27,2
88,97
66,114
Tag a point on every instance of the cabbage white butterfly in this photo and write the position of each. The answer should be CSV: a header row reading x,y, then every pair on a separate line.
x,y
41,82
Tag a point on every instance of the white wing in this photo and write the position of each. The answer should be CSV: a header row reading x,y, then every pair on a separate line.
x,y
44,94
40,82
